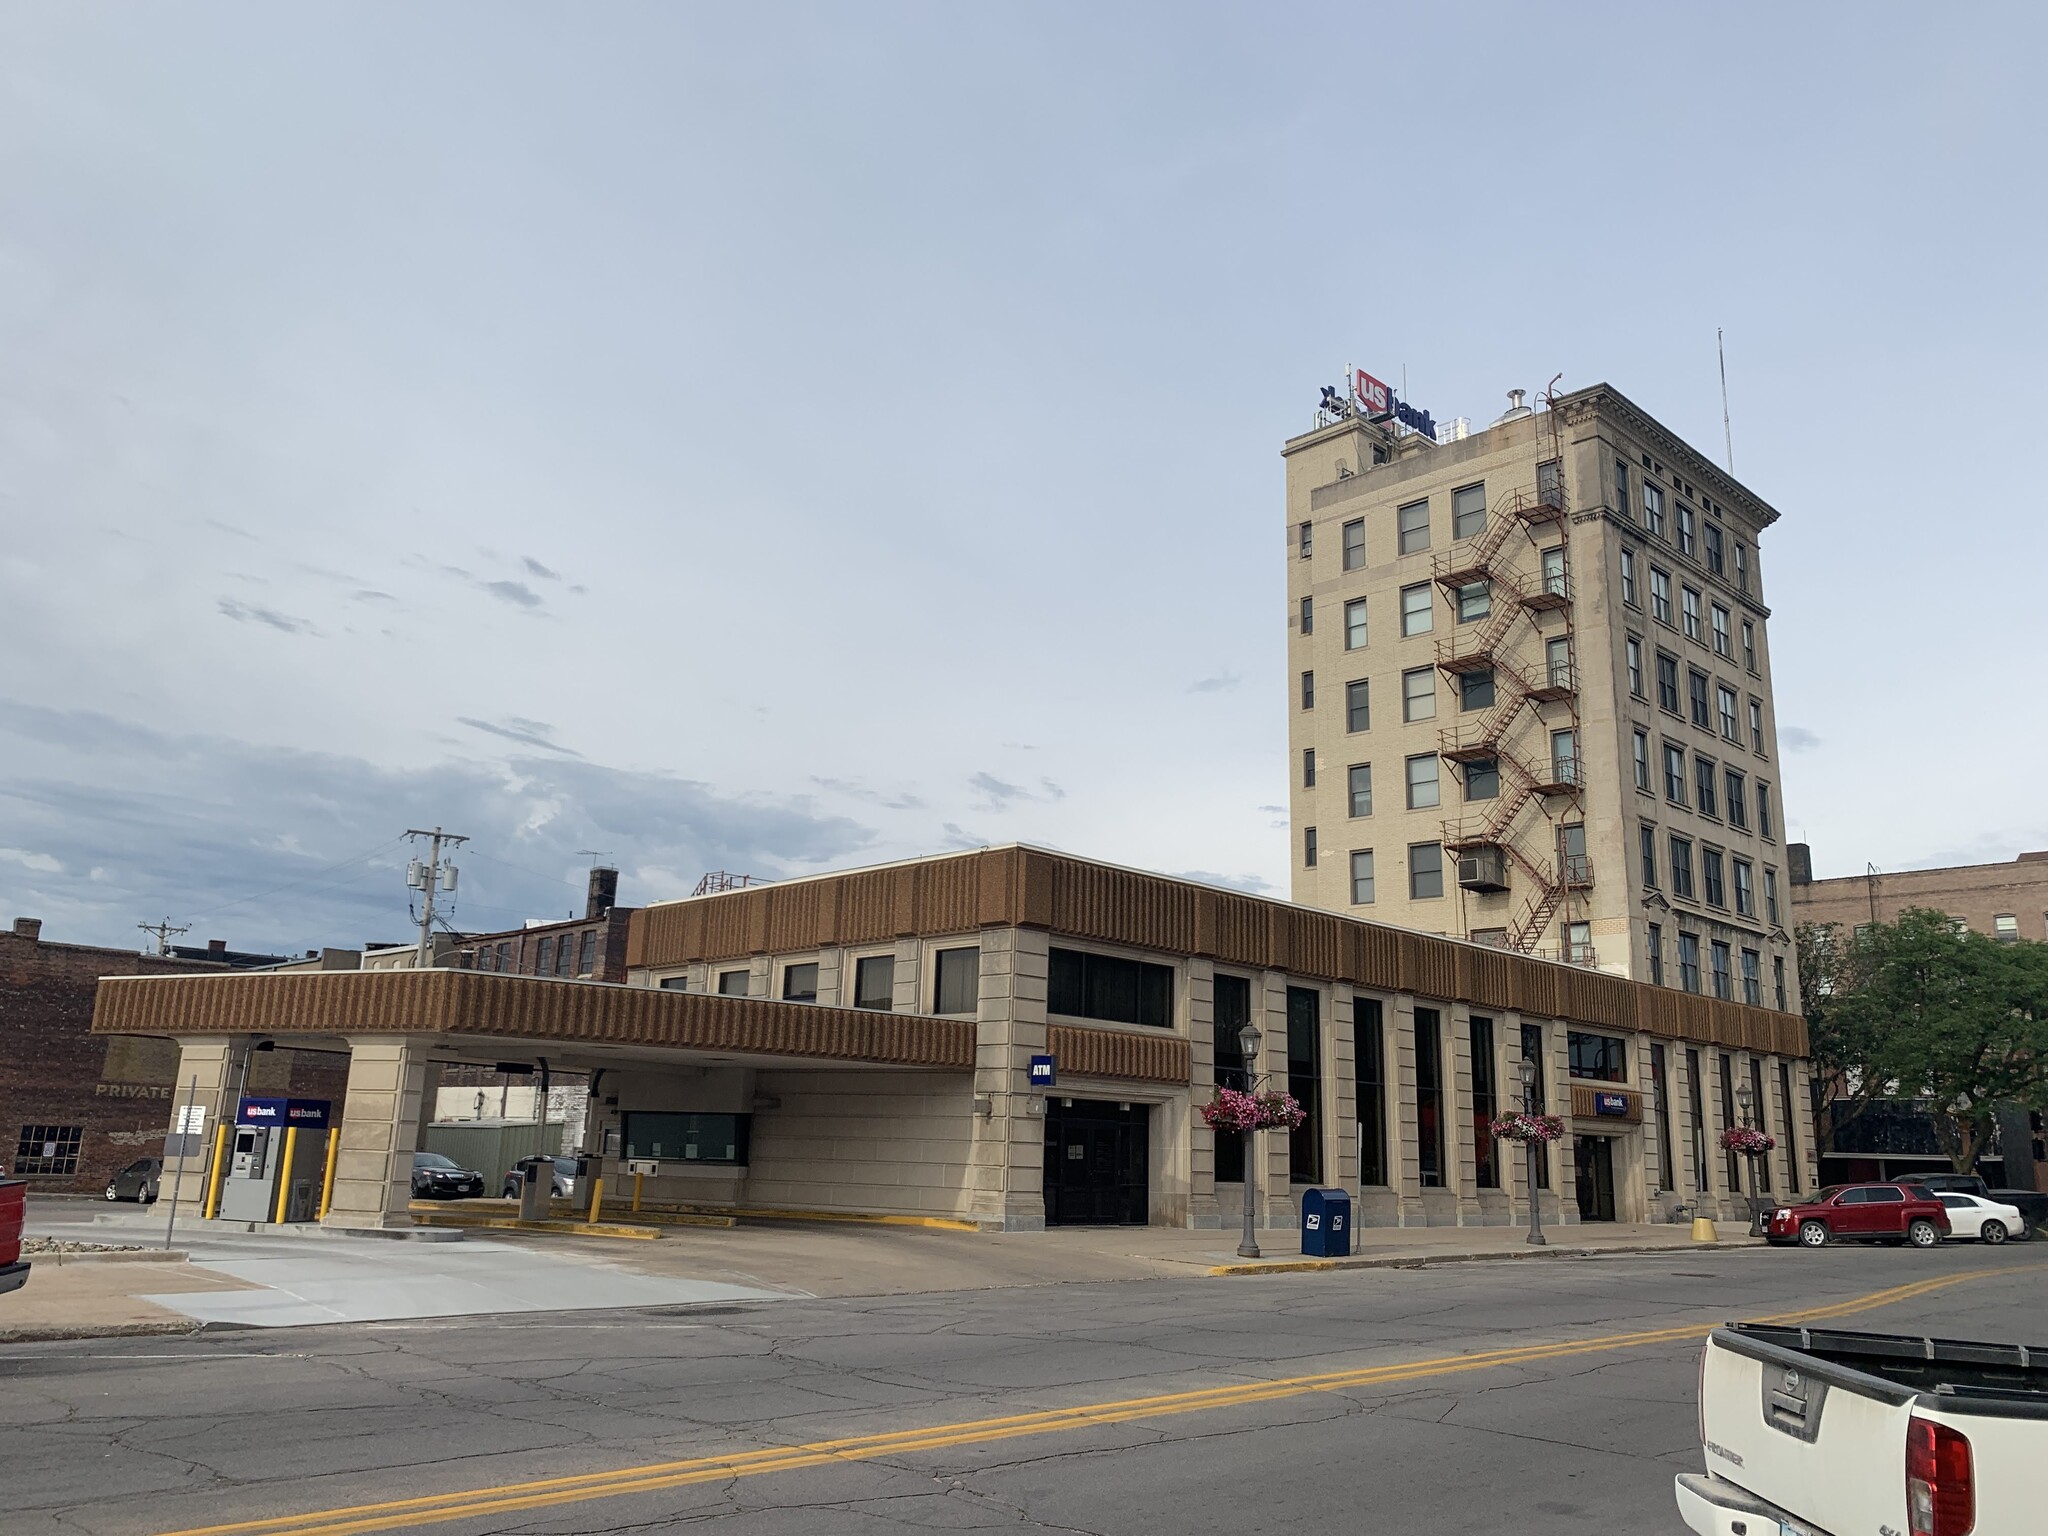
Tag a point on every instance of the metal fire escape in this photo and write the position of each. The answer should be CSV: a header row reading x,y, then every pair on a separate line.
x,y
1490,844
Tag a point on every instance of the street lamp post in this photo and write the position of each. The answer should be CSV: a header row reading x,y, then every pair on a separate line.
x,y
1248,1042
1743,1099
1527,1069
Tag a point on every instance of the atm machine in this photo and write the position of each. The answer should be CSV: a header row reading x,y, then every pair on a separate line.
x,y
274,1169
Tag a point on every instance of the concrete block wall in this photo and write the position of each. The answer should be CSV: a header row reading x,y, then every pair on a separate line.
x,y
889,1142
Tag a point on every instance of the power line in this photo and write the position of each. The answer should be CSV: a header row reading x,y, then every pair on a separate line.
x,y
429,877
163,932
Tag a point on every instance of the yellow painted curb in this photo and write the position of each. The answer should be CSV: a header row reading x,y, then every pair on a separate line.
x,y
514,1224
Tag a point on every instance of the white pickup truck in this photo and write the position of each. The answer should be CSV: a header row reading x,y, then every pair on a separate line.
x,y
1813,1432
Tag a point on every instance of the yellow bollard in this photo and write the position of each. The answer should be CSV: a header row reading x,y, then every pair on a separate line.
x,y
217,1172
1703,1230
284,1174
637,1177
327,1179
596,1198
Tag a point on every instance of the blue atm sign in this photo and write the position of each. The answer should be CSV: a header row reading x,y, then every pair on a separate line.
x,y
1044,1071
1610,1104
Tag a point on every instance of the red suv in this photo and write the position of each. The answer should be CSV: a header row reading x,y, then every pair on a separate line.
x,y
1884,1213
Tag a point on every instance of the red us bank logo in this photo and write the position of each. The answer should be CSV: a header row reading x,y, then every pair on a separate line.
x,y
1373,397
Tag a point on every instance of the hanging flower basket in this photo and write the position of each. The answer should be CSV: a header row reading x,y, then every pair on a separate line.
x,y
1521,1126
1233,1109
1747,1140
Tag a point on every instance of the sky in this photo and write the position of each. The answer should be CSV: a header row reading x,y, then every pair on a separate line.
x,y
774,438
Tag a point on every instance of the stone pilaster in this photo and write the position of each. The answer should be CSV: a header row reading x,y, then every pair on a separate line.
x,y
380,1127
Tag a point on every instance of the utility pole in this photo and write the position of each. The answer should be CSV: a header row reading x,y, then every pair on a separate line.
x,y
428,877
164,933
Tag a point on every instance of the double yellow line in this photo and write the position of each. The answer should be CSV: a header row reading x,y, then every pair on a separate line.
x,y
510,1498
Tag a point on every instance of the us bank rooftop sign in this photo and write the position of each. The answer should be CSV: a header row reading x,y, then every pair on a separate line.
x,y
1376,401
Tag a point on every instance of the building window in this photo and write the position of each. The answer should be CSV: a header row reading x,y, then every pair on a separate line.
x,y
1696,1093
1710,877
1308,690
1532,1051
1714,555
1667,682
1369,1054
1305,1082
732,983
1425,871
1742,567
1629,594
1110,989
1423,791
565,955
1357,705
1621,502
1482,779
1745,887
1358,784
1475,601
1681,866
1728,1119
586,959
956,981
688,1138
1564,757
1468,512
1791,1120
483,959
1660,1086
48,1149
1354,624
800,982
1361,877
1308,534
2005,927
1688,961
1632,651
1578,941
1308,767
1756,727
1752,980
1749,645
1724,643
1656,954
1231,1012
1308,615
1418,694
1485,1105
1724,699
874,982
1354,544
1705,776
1696,697
1688,535
1763,808
504,958
1653,508
1308,847
1771,896
1429,1097
1554,580
1723,982
1601,1058
1413,523
1646,845
1475,690
675,983
1642,759
1674,774
1417,610
544,958
1778,978
1738,799
1660,595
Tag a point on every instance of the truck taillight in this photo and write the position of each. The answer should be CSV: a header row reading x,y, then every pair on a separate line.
x,y
1703,1392
1940,1497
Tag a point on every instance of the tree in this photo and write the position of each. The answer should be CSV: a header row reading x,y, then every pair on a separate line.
x,y
1920,1009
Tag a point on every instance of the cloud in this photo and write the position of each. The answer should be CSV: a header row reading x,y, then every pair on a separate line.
x,y
530,733
371,595
1797,738
512,592
957,838
1250,884
852,789
1222,682
535,568
252,613
41,863
283,850
230,528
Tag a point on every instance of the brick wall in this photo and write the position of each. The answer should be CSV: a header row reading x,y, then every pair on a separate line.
x,y
118,1092
1976,893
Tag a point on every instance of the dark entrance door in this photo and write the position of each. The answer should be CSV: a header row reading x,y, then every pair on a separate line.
x,y
1096,1172
1593,1169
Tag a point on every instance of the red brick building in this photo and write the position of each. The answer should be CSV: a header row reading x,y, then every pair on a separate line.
x,y
75,1109
589,948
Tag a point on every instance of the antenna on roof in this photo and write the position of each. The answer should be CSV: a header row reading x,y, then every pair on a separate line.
x,y
593,854
1727,436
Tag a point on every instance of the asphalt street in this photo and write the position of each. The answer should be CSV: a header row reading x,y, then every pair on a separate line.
x,y
1551,1396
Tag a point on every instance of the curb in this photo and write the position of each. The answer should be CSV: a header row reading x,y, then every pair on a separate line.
x,y
52,1332
559,1228
1431,1261
118,1256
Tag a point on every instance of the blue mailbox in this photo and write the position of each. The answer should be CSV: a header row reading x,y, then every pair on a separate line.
x,y
1325,1223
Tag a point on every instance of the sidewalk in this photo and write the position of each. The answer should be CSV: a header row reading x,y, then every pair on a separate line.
x,y
286,1278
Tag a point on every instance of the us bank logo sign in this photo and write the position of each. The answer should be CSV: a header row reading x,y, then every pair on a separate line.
x,y
1376,401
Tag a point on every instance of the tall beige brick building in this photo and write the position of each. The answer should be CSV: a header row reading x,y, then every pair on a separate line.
x,y
1529,694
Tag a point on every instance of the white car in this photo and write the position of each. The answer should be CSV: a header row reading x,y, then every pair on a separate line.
x,y
1985,1220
